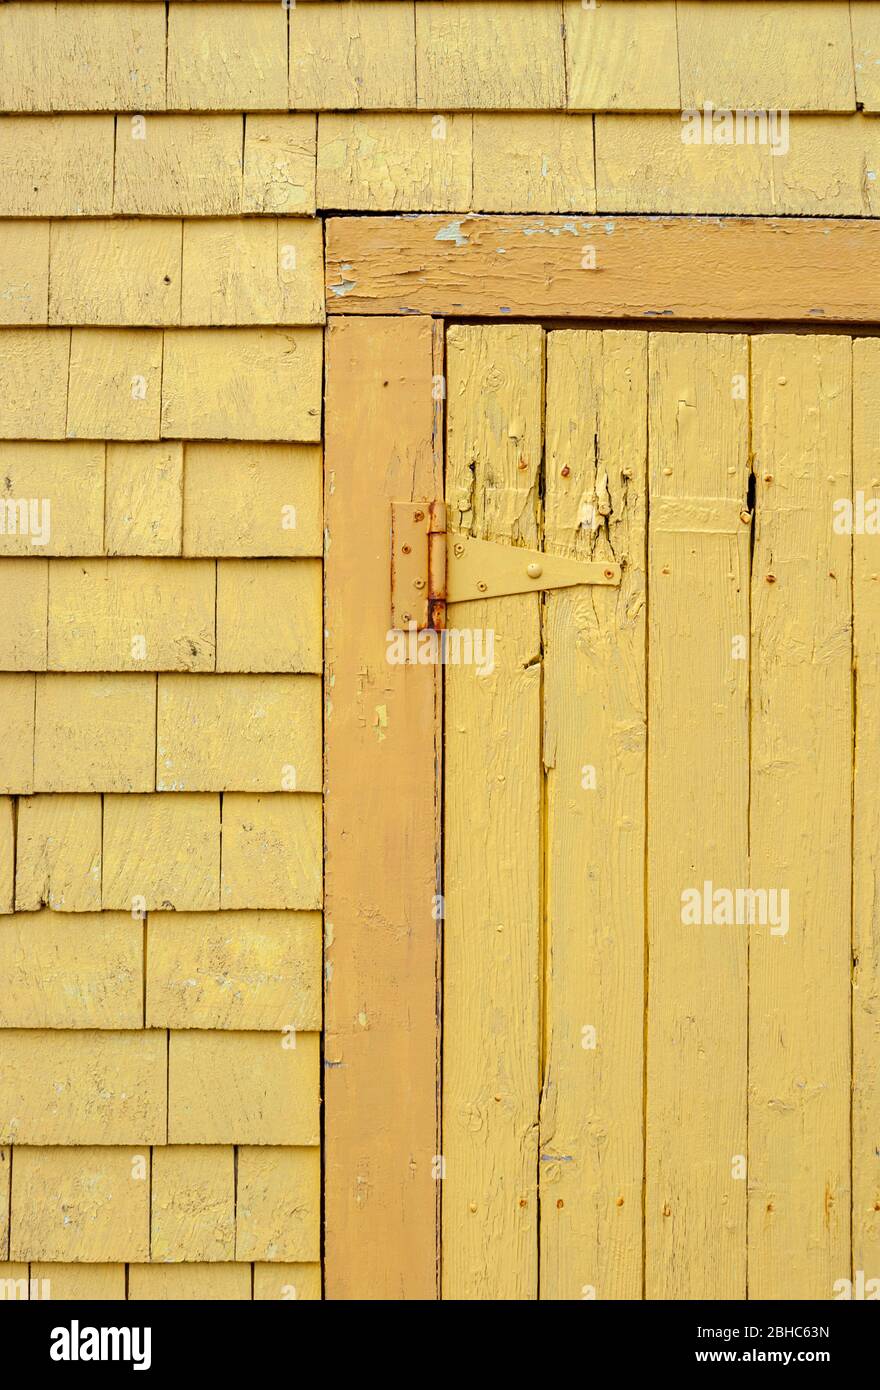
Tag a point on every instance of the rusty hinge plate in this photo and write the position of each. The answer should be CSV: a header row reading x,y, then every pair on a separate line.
x,y
418,564
430,569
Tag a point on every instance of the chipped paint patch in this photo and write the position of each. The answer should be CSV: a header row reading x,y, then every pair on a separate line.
x,y
453,232
344,286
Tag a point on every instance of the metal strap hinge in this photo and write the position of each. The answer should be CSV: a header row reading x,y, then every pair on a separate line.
x,y
430,568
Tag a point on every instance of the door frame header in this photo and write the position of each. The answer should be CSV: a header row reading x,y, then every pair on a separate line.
x,y
723,269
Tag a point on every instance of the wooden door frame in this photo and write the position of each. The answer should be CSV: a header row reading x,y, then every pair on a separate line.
x,y
391,284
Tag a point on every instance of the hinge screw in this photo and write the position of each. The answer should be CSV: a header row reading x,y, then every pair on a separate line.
x,y
482,587
418,516
534,570
459,549
419,583
609,574
405,549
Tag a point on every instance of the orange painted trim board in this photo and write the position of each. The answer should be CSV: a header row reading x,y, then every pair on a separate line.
x,y
719,268
381,814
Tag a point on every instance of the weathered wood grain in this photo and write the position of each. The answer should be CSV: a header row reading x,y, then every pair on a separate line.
x,y
381,924
730,269
866,818
697,808
493,815
591,1141
800,819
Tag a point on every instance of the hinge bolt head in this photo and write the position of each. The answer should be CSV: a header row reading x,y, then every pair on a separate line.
x,y
406,549
534,570
418,516
482,587
459,549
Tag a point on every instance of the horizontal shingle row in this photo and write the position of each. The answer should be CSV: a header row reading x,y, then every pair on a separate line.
x,y
810,164
160,615
89,498
60,1281
140,852
453,54
139,733
213,166
154,1087
254,971
192,1280
142,384
179,1203
155,273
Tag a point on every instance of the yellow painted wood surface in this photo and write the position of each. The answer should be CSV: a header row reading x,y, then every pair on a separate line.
x,y
58,853
52,977
130,615
801,819
82,57
143,486
217,386
539,163
82,1087
75,1281
184,471
56,165
189,1282
399,162
244,970
94,733
492,935
238,733
622,56
689,268
82,1204
359,56
192,1203
278,1206
591,1126
100,416
865,20
7,854
749,783
258,499
115,272
292,591
161,852
24,277
260,271
23,640
382,1180
227,1087
483,56
71,475
227,56
272,851
805,65
866,930
697,815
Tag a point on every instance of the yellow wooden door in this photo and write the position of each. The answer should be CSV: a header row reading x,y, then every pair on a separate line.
x,y
652,820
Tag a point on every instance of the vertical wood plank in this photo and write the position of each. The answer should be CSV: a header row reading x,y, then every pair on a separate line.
x,y
591,1140
799,981
866,816
491,984
381,1088
695,1206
